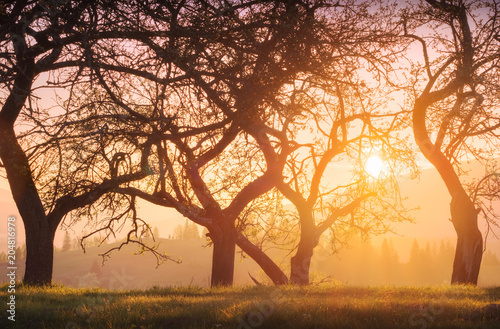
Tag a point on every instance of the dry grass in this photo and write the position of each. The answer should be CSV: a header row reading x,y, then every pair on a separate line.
x,y
257,307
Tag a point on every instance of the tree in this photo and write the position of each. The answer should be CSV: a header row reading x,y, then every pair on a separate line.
x,y
32,37
188,231
66,246
75,244
156,233
346,122
219,87
191,231
416,263
454,117
361,202
178,232
261,93
96,268
490,259
36,38
389,262
21,252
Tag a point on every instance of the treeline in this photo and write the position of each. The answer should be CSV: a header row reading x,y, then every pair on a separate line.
x,y
188,231
20,254
74,243
427,264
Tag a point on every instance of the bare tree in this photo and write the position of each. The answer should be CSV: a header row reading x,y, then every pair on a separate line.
x,y
455,88
343,118
33,37
43,37
353,132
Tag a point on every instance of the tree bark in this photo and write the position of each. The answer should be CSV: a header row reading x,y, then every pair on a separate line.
x,y
301,262
264,261
224,241
469,250
39,229
39,254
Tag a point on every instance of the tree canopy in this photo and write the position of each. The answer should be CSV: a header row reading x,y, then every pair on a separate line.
x,y
211,108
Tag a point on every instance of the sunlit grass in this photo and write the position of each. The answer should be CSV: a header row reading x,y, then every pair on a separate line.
x,y
325,306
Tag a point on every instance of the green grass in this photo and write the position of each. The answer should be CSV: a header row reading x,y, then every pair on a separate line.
x,y
256,307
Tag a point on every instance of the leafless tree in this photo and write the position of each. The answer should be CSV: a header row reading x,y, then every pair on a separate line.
x,y
49,39
347,128
455,118
36,37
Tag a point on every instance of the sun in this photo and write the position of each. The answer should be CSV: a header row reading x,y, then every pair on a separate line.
x,y
374,166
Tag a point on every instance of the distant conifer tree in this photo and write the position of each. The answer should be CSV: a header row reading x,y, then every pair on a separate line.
x,y
66,246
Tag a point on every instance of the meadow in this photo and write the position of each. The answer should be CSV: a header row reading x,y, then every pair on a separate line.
x,y
318,306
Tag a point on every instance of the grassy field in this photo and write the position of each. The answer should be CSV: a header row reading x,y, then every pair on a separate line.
x,y
256,307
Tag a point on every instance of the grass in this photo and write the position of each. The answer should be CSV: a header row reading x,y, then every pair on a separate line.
x,y
256,307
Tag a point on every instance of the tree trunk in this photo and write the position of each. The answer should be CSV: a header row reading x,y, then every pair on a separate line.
x,y
39,231
224,241
301,262
39,254
469,251
265,262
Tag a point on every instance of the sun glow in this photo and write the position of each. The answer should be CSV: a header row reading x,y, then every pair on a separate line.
x,y
374,166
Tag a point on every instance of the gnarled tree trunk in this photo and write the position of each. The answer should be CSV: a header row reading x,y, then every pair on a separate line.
x,y
301,263
469,251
